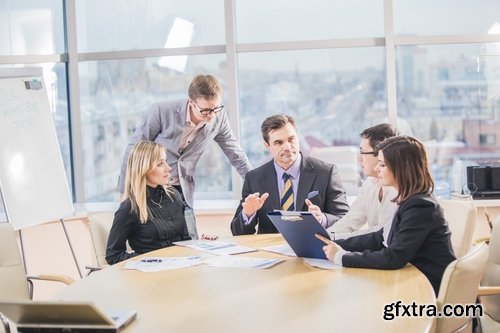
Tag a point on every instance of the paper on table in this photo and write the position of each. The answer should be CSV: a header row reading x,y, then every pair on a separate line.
x,y
215,247
281,249
322,263
237,261
156,264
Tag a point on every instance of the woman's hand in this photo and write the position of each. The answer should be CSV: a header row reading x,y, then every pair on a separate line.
x,y
330,248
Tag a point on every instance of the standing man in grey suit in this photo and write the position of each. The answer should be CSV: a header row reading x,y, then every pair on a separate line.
x,y
290,181
185,128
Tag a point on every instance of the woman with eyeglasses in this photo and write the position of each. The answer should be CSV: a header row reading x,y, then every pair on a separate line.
x,y
373,206
151,216
418,234
185,128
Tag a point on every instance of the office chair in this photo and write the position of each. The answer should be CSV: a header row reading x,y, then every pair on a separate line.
x,y
489,291
99,224
14,283
461,218
459,286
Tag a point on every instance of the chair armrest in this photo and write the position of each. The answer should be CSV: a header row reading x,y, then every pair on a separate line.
x,y
5,323
488,291
93,268
57,278
481,240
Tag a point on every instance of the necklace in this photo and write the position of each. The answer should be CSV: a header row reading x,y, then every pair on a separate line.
x,y
158,203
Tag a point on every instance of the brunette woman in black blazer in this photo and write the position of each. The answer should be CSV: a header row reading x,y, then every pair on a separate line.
x,y
418,234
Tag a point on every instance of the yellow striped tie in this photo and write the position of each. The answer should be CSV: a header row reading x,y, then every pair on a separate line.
x,y
287,194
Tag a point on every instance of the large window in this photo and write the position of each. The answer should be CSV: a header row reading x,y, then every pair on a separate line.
x,y
31,27
113,25
302,20
449,96
115,96
444,17
335,67
332,94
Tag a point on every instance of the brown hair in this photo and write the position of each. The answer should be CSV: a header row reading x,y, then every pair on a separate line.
x,y
378,133
204,86
406,157
275,122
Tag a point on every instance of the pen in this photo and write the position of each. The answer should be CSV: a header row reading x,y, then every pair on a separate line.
x,y
151,260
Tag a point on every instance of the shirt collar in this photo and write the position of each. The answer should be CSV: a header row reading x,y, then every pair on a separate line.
x,y
188,118
154,191
293,170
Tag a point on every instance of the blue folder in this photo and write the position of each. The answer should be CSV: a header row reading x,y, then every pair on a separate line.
x,y
298,229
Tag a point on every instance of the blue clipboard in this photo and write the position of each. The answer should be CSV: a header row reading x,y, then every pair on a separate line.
x,y
299,229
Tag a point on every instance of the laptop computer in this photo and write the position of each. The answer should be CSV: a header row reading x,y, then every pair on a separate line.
x,y
64,316
299,229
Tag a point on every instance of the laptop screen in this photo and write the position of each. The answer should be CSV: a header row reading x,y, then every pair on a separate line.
x,y
51,316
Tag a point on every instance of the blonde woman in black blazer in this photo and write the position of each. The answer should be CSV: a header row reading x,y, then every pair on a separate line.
x,y
419,234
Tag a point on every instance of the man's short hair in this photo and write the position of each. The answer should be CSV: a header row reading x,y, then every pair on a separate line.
x,y
204,86
378,133
273,123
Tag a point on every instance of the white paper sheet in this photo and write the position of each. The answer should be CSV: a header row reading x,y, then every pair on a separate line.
x,y
284,249
322,263
156,264
215,247
238,261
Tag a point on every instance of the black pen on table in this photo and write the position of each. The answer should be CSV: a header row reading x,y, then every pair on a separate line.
x,y
150,260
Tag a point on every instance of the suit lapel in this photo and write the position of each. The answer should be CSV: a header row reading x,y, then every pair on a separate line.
x,y
180,122
306,181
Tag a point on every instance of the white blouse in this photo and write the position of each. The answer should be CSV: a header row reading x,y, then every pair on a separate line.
x,y
367,211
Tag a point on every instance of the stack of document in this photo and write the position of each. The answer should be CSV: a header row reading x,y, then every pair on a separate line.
x,y
156,264
223,250
215,247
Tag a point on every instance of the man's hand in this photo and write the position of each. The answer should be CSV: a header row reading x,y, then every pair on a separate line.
x,y
315,210
253,203
330,248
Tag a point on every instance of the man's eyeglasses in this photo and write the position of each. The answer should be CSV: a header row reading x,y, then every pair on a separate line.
x,y
368,153
207,111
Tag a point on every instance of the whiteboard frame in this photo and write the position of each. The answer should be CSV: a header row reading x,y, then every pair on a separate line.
x,y
45,198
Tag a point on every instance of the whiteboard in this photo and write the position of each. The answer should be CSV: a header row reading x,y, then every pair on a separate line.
x,y
32,177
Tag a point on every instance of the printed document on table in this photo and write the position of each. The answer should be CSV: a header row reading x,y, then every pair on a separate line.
x,y
156,264
238,261
322,263
215,247
284,249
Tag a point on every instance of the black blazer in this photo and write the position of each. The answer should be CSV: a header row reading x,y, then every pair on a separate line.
x,y
315,175
419,235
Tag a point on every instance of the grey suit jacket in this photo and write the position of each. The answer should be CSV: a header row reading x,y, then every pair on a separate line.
x,y
315,175
164,123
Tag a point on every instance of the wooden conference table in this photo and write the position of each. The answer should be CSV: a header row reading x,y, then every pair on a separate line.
x,y
289,297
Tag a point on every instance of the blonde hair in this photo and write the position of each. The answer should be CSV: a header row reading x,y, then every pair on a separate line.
x,y
142,158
